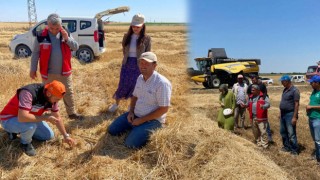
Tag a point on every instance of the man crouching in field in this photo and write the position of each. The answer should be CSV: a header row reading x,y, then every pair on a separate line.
x,y
24,114
149,104
258,110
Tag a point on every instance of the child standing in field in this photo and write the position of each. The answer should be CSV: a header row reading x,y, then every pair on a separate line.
x,y
134,43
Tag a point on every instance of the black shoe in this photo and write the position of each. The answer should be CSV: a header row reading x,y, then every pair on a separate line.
x,y
313,155
28,149
12,136
295,153
284,149
271,142
76,116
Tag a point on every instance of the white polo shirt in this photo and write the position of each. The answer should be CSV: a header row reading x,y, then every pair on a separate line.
x,y
152,94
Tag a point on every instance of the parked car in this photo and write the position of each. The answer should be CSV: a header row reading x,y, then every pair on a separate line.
x,y
88,32
267,80
298,78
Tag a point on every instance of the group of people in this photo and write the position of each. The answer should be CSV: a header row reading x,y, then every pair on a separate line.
x,y
32,106
255,99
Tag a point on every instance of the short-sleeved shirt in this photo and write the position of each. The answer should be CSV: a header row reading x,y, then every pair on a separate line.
x,y
314,101
288,99
240,93
25,101
152,94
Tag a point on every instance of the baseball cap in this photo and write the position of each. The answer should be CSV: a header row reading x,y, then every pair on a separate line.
x,y
149,56
285,78
240,76
137,20
56,88
315,78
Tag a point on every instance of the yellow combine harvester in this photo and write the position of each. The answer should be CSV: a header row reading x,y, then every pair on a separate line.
x,y
218,69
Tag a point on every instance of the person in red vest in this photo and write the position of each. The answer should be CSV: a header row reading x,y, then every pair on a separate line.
x,y
258,110
52,49
24,114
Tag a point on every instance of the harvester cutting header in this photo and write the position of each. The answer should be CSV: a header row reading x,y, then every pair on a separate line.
x,y
218,69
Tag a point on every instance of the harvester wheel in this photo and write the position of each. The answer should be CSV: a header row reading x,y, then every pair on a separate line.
x,y
247,80
205,84
215,82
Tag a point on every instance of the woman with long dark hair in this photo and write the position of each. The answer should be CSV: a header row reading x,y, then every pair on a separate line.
x,y
134,43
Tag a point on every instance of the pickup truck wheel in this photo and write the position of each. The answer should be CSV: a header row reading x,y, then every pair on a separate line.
x,y
22,51
85,54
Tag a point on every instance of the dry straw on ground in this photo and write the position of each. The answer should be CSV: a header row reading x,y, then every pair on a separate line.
x,y
189,147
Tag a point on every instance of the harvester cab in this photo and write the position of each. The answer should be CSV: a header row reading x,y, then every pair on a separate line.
x,y
217,69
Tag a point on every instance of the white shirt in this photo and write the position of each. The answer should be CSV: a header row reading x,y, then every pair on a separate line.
x,y
133,46
152,94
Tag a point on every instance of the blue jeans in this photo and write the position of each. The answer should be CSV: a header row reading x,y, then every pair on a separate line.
x,y
28,130
138,135
314,125
288,132
269,132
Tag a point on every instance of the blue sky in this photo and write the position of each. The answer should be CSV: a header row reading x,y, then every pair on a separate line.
x,y
284,34
154,10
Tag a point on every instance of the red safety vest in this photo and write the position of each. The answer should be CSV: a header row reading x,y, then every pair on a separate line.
x,y
45,51
262,114
39,102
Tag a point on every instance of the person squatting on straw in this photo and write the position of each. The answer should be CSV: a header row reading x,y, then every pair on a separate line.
x,y
24,114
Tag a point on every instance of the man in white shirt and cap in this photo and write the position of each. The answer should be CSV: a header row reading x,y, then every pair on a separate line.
x,y
149,104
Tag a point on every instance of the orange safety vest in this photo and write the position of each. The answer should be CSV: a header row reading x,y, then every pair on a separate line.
x,y
262,114
45,51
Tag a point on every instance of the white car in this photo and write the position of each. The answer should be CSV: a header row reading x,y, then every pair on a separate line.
x,y
298,78
88,32
267,80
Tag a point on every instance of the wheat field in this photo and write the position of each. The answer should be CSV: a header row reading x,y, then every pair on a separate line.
x,y
191,146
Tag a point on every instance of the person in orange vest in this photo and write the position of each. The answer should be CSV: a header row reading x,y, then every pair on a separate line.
x,y
258,110
52,49
24,114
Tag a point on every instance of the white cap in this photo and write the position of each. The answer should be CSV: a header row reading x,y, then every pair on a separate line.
x,y
240,76
137,20
149,56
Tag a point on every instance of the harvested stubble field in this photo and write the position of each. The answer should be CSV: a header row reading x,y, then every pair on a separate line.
x,y
189,147
300,167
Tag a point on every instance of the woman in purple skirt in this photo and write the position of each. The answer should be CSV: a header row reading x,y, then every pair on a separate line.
x,y
134,43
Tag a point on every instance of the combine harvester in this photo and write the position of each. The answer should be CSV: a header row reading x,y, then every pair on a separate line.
x,y
217,69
